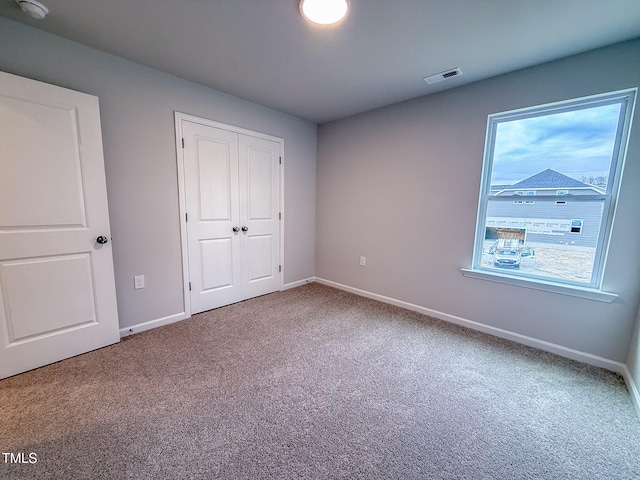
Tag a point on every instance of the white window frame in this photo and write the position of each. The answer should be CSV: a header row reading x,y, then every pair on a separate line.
x,y
592,290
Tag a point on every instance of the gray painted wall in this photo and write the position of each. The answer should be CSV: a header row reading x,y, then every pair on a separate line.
x,y
400,186
137,110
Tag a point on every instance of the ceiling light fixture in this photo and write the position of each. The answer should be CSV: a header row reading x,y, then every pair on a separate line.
x,y
324,12
33,9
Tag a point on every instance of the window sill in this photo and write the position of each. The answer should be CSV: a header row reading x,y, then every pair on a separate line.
x,y
547,286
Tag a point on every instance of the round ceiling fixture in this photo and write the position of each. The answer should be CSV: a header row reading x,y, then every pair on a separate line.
x,y
324,12
33,9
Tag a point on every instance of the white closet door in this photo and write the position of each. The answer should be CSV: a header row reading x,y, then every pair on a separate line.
x,y
232,191
259,211
211,185
57,289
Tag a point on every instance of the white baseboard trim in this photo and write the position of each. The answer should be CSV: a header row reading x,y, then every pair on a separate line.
x,y
584,357
158,322
633,389
299,283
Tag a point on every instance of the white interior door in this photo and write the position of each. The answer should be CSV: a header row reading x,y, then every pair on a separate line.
x,y
57,289
259,215
211,184
232,198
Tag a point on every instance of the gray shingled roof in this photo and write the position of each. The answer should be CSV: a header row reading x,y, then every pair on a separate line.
x,y
548,179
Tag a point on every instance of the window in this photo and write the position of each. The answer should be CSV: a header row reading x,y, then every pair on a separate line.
x,y
576,226
574,150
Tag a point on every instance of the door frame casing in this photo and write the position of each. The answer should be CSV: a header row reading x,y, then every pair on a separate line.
x,y
182,201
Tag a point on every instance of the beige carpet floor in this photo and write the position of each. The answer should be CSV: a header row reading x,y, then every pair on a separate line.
x,y
316,383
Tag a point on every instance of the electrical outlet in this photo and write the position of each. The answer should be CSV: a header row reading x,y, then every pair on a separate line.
x,y
138,282
363,261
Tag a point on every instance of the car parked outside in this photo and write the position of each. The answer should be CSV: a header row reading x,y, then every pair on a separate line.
x,y
507,254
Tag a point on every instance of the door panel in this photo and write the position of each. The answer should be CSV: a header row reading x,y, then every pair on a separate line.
x,y
63,286
259,161
214,179
57,289
259,257
231,181
217,264
44,144
259,175
211,185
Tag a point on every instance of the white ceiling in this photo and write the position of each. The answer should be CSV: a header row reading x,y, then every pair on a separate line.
x,y
263,51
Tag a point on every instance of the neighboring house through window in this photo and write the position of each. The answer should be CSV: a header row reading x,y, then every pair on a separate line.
x,y
573,150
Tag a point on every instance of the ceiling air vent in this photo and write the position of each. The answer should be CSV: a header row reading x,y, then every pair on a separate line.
x,y
438,77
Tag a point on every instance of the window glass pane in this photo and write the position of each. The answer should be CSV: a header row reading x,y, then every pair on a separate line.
x,y
545,239
543,150
550,182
